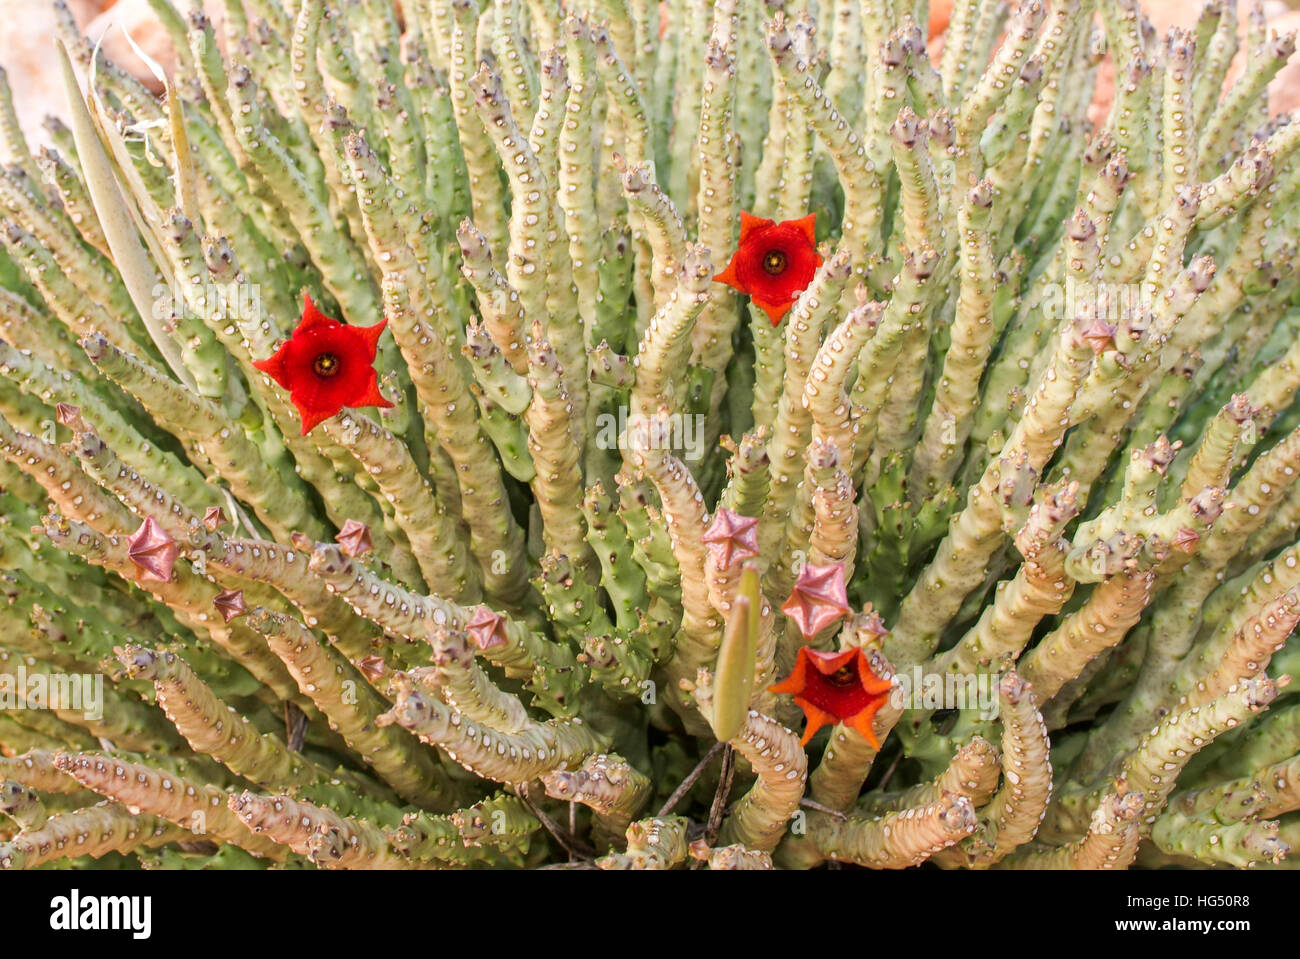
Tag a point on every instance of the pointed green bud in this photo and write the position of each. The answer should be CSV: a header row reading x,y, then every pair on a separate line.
x,y
737,657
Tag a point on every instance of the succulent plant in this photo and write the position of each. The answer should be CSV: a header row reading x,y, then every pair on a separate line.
x,y
605,433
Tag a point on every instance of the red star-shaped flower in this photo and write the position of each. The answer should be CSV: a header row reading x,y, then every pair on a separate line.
x,y
819,598
731,538
230,603
326,365
214,517
354,538
486,628
773,262
152,551
836,688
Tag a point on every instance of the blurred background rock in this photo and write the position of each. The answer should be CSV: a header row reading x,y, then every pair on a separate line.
x,y
26,46
1284,92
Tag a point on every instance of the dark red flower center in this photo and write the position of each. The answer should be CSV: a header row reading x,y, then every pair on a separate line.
x,y
844,676
774,262
326,364
840,694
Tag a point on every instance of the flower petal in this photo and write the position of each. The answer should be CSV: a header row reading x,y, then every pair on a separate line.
x,y
312,317
795,682
817,718
273,366
728,276
370,335
830,663
775,311
312,417
749,223
808,225
864,723
372,397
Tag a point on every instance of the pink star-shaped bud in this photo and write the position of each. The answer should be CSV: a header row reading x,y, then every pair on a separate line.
x,y
214,517
372,667
1185,540
354,538
70,416
486,628
1100,335
731,538
230,603
870,624
152,551
819,598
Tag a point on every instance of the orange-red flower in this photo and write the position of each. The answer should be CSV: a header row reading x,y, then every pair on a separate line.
x,y
326,365
836,688
773,262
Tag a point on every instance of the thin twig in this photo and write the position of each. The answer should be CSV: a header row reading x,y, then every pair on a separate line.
x,y
690,780
813,804
237,512
573,821
890,771
572,864
721,796
572,844
295,726
719,808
